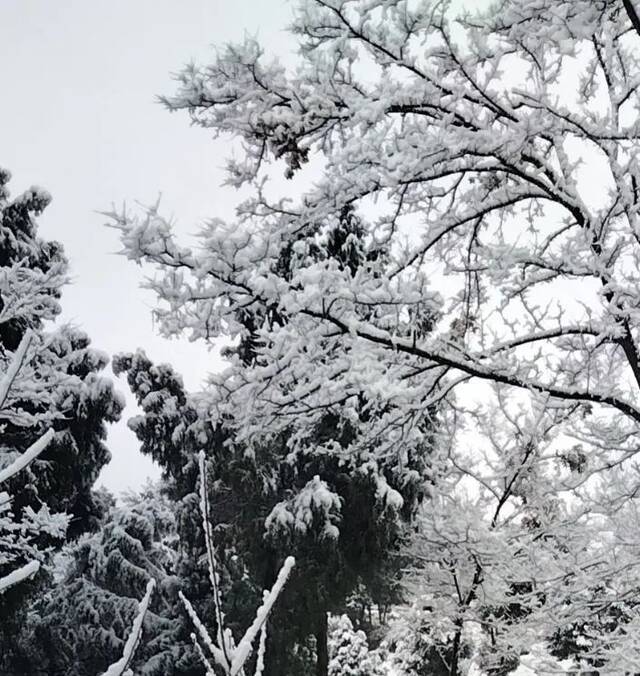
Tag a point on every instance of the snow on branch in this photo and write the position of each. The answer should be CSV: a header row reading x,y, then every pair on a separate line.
x,y
216,652
19,575
229,657
27,457
262,647
243,650
18,361
23,460
120,668
211,560
452,264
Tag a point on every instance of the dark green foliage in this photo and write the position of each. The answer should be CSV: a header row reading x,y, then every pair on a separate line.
x,y
60,388
79,627
260,496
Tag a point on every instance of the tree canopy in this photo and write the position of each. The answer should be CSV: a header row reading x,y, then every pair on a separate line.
x,y
490,162
54,408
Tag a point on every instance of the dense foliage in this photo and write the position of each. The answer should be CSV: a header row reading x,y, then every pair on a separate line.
x,y
56,393
79,627
266,506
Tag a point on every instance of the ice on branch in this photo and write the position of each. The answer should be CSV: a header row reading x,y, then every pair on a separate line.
x,y
231,658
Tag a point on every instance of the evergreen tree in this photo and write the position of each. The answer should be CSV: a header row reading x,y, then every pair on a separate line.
x,y
336,502
266,506
79,627
59,389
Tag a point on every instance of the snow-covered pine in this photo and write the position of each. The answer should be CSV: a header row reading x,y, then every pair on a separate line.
x,y
94,600
54,406
318,507
226,654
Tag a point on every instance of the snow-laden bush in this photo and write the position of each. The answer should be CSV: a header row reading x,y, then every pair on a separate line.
x,y
349,653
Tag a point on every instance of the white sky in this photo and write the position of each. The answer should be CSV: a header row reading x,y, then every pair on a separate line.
x,y
78,117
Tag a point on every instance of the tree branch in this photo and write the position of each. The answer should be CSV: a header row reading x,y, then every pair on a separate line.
x,y
383,338
632,14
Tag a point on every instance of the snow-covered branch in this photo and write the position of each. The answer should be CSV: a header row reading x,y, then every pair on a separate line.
x,y
16,365
120,667
454,263
24,459
17,362
18,575
231,658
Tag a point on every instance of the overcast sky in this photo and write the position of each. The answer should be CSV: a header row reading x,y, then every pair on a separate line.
x,y
78,117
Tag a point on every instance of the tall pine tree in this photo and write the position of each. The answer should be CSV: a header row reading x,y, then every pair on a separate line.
x,y
62,389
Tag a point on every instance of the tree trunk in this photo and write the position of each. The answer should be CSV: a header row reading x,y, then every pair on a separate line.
x,y
455,650
322,648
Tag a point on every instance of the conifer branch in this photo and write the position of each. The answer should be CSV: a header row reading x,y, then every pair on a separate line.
x,y
120,667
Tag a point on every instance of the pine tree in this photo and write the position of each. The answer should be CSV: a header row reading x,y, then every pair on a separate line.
x,y
59,389
70,394
342,528
79,627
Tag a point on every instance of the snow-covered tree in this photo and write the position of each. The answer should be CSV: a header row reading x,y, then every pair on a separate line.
x,y
341,522
81,625
349,653
491,162
64,388
52,392
20,555
223,652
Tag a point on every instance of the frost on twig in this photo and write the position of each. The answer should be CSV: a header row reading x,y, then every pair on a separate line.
x,y
226,655
120,668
